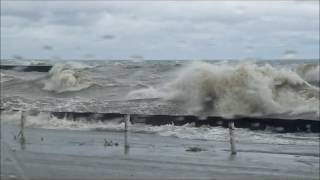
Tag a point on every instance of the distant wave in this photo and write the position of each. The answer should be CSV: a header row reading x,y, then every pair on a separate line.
x,y
5,77
78,65
239,89
63,78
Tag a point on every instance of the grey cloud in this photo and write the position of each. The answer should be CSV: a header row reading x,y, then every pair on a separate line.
x,y
107,36
289,54
18,57
142,27
47,47
89,56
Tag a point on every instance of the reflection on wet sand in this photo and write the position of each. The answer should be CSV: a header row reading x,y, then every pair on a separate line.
x,y
126,143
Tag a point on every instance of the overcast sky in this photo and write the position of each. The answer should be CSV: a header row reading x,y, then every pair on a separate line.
x,y
160,30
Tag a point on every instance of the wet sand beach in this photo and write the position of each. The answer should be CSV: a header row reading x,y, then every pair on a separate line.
x,y
72,154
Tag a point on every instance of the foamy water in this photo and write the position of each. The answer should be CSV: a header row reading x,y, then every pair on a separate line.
x,y
187,131
168,87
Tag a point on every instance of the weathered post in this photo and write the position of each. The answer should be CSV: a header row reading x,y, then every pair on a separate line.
x,y
231,133
22,121
126,144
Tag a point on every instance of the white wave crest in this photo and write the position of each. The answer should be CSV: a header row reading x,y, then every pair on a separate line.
x,y
63,78
79,65
145,93
240,89
310,73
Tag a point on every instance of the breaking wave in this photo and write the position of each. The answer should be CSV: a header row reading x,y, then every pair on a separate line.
x,y
240,89
63,78
310,73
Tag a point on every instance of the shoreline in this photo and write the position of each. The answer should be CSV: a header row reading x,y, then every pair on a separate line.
x,y
69,154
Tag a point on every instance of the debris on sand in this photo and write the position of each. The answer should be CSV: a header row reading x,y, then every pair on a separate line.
x,y
195,149
110,143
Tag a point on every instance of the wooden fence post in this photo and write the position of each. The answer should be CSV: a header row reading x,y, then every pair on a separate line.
x,y
232,141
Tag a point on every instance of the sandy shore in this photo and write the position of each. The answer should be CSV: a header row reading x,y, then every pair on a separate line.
x,y
66,154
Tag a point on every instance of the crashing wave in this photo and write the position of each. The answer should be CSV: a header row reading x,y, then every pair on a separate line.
x,y
63,78
310,73
241,89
